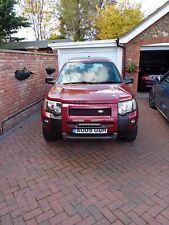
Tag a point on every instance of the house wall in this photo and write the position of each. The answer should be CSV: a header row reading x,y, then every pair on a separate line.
x,y
16,95
157,33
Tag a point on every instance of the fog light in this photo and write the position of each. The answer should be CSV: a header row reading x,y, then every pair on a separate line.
x,y
133,121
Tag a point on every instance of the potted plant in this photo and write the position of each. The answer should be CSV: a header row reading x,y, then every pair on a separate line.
x,y
132,67
22,74
50,70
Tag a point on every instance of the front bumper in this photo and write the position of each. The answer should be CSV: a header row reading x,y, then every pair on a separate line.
x,y
62,126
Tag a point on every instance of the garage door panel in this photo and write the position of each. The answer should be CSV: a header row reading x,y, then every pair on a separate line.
x,y
112,53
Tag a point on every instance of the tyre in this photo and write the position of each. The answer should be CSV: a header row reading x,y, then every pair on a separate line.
x,y
131,135
151,100
128,136
48,136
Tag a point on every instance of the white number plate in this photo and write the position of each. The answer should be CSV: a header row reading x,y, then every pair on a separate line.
x,y
90,131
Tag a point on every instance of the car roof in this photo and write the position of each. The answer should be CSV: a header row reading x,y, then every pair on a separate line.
x,y
90,59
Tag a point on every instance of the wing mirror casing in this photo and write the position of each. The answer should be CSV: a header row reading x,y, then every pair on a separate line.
x,y
158,79
128,80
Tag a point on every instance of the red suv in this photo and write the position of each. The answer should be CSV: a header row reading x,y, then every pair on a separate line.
x,y
89,100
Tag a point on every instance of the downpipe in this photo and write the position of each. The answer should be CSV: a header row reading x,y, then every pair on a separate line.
x,y
124,56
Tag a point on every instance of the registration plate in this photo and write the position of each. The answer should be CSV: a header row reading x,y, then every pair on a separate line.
x,y
90,131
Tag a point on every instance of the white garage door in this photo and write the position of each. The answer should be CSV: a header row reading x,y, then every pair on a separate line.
x,y
113,53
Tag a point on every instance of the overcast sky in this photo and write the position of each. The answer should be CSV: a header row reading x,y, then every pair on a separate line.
x,y
148,6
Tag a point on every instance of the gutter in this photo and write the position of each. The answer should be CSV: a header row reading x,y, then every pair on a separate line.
x,y
124,56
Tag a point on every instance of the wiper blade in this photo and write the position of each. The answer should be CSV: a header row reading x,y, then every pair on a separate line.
x,y
108,82
86,82
81,82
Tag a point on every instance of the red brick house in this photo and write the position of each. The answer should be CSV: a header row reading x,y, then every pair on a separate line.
x,y
150,38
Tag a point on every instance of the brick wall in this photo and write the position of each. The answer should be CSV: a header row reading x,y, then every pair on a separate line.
x,y
157,33
14,94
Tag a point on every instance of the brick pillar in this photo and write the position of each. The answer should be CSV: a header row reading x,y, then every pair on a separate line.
x,y
133,54
133,86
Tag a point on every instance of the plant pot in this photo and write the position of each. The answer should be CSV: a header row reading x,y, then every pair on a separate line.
x,y
22,74
50,70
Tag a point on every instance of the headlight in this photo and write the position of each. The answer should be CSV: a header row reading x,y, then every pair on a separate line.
x,y
54,107
126,107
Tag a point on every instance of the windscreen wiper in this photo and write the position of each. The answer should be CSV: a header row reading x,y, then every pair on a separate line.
x,y
81,82
86,82
108,82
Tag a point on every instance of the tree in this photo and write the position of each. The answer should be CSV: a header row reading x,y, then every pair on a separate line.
x,y
41,14
76,18
55,36
9,22
103,3
115,20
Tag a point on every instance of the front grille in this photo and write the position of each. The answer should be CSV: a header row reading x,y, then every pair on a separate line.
x,y
90,112
89,124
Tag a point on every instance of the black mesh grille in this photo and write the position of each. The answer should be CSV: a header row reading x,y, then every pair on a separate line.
x,y
90,112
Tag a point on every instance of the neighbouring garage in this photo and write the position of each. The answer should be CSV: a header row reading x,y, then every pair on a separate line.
x,y
148,43
154,61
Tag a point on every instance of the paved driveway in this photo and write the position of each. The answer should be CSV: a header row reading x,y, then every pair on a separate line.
x,y
85,182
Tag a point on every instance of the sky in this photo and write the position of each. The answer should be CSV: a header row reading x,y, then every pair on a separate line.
x,y
148,6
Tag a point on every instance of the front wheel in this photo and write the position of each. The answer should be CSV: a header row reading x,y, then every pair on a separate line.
x,y
128,136
47,135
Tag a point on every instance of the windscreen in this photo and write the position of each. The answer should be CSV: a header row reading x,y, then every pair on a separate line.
x,y
89,72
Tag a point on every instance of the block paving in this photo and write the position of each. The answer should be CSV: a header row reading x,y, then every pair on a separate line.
x,y
85,182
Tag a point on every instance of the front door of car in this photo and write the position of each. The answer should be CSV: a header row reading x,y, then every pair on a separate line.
x,y
157,93
164,96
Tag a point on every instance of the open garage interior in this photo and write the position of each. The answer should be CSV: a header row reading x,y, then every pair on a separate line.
x,y
152,63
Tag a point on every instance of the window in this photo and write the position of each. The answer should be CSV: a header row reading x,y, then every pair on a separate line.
x,y
89,72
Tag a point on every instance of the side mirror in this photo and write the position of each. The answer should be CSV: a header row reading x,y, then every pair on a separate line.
x,y
158,79
50,80
128,81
